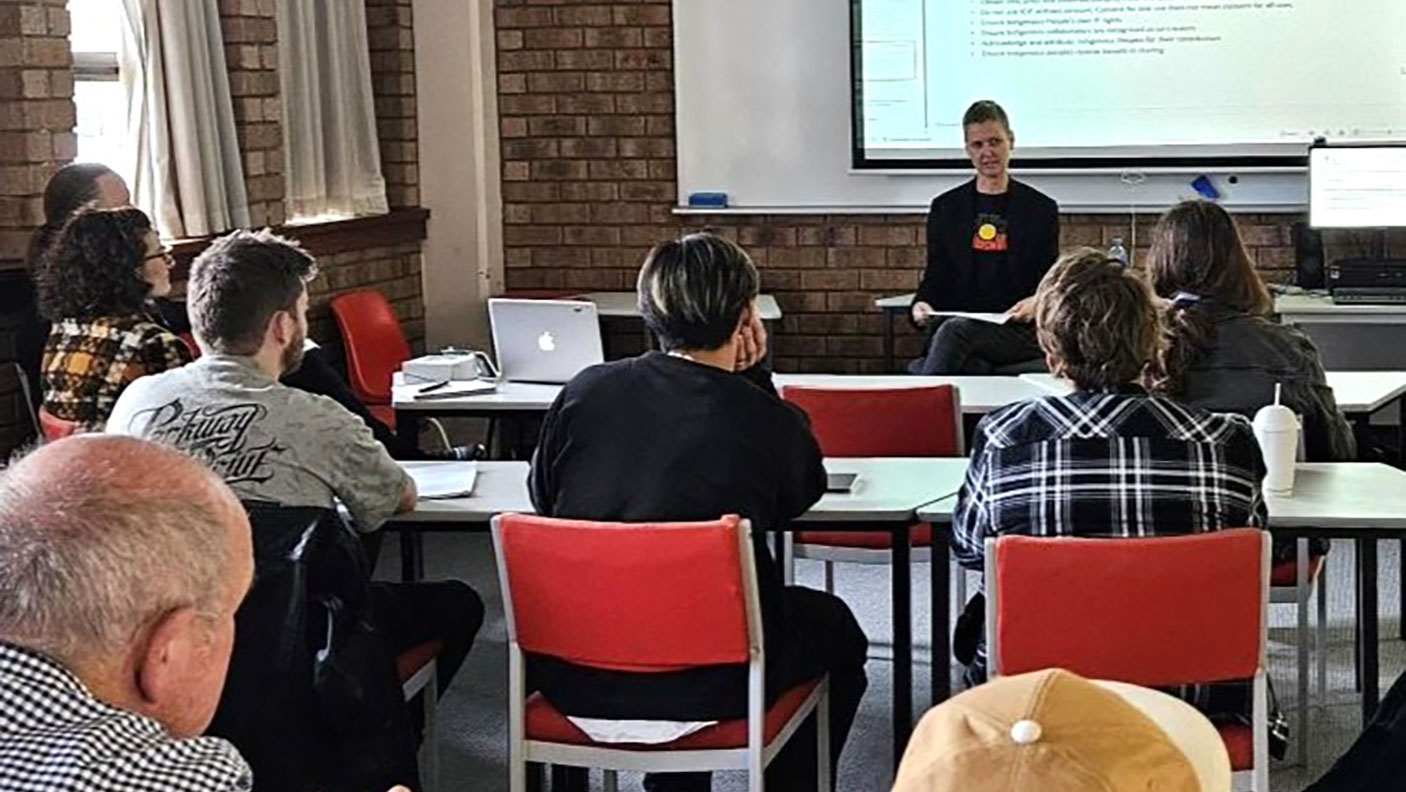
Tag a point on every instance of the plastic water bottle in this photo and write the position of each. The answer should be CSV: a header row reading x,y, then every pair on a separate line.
x,y
1117,251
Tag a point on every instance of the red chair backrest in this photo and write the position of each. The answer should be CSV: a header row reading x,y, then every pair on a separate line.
x,y
1150,611
374,342
55,428
887,422
630,597
188,338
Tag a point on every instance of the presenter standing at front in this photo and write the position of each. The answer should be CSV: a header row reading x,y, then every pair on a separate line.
x,y
990,242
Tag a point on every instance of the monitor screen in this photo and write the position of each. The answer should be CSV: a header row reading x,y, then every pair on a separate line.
x,y
1357,187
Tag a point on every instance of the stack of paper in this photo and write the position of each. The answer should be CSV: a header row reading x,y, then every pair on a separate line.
x,y
443,480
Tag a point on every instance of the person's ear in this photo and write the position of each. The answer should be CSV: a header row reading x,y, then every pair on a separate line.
x,y
284,326
174,649
1054,364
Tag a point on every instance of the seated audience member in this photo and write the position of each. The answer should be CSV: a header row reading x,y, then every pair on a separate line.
x,y
1224,353
692,433
1053,730
121,566
72,187
275,444
96,284
990,241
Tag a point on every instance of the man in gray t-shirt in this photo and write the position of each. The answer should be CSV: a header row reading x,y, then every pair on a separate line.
x,y
248,301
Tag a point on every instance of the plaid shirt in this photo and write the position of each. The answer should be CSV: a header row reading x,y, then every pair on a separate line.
x,y
1114,463
55,737
87,364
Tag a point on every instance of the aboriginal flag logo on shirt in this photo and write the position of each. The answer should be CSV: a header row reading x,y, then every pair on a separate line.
x,y
990,233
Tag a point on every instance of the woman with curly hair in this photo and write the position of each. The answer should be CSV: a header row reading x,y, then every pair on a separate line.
x,y
95,284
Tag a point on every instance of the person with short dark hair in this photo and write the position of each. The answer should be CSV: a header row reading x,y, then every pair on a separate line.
x,y
1108,459
1224,351
990,241
692,433
96,283
276,444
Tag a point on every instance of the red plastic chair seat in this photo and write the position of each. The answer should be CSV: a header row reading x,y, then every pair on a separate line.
x,y
920,535
544,723
416,658
1286,573
1240,744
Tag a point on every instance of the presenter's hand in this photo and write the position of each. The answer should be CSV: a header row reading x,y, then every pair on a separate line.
x,y
1023,311
922,313
752,348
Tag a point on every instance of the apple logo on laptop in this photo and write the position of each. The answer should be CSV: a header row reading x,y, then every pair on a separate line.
x,y
546,342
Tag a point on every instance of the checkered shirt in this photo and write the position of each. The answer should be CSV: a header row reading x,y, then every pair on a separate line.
x,y
55,737
1114,463
87,363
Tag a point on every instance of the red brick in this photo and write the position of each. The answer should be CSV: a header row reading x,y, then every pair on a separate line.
x,y
588,15
593,235
856,258
617,125
556,126
588,104
570,170
556,82
613,38
830,280
619,169
585,59
551,38
590,191
642,15
506,18
588,148
619,82
561,213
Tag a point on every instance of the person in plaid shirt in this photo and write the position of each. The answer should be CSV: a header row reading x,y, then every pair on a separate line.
x,y
95,285
1108,459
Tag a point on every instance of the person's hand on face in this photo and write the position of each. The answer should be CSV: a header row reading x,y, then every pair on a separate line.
x,y
922,313
1023,311
751,347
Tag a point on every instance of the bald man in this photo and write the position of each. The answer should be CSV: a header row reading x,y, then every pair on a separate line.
x,y
121,566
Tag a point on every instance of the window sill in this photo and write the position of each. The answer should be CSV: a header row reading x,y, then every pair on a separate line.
x,y
324,239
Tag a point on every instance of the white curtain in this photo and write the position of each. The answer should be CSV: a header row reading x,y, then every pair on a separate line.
x,y
329,118
188,170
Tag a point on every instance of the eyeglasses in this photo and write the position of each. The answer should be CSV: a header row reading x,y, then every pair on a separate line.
x,y
163,253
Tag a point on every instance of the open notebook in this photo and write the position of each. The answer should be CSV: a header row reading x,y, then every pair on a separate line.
x,y
443,480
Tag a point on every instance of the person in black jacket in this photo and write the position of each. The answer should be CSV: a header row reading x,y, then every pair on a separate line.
x,y
989,243
693,433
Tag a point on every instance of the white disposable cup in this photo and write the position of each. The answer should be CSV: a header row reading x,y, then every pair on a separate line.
x,y
1277,430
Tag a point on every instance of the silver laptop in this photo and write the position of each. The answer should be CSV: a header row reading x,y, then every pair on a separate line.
x,y
544,340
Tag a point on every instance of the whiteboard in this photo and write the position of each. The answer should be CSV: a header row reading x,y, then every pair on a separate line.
x,y
763,114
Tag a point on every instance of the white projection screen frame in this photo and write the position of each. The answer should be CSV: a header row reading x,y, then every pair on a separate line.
x,y
764,114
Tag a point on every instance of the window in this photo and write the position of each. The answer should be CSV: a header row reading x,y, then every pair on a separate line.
x,y
96,36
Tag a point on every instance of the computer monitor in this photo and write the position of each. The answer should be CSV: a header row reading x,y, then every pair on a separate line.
x,y
1357,186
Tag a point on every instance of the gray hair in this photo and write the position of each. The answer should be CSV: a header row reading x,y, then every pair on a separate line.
x,y
90,552
692,290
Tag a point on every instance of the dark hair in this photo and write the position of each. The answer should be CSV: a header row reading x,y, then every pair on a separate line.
x,y
1096,319
93,268
692,291
1197,252
985,110
69,189
238,284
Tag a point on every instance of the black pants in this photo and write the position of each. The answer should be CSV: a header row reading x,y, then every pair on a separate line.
x,y
822,637
971,346
1377,760
413,613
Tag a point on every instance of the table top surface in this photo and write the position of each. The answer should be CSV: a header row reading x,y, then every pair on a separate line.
x,y
979,394
887,490
625,304
508,397
1327,495
1322,306
1355,391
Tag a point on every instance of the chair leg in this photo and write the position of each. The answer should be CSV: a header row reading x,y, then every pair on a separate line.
x,y
788,558
1303,589
822,739
829,577
612,780
430,748
1321,639
959,579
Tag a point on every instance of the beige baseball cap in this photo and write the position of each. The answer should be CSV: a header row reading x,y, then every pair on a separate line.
x,y
1055,730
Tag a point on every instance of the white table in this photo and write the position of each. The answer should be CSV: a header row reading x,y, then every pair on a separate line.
x,y
979,394
1320,309
617,305
1363,501
1357,392
508,397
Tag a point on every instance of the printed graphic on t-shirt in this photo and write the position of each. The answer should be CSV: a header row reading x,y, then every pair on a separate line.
x,y
216,435
990,234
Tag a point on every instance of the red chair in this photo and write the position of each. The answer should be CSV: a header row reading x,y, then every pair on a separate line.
x,y
1154,612
891,422
375,347
55,428
188,338
589,593
417,670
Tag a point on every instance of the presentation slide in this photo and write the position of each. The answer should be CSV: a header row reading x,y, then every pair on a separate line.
x,y
1130,80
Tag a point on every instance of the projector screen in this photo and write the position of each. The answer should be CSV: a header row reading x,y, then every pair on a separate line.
x,y
1357,187
1120,83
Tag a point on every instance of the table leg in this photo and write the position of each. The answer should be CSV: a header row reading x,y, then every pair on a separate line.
x,y
941,616
407,429
902,575
888,342
1367,628
412,556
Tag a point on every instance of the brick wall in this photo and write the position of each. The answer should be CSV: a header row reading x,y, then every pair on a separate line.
x,y
586,118
250,31
390,29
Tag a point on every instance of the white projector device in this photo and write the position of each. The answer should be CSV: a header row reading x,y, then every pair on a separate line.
x,y
440,368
